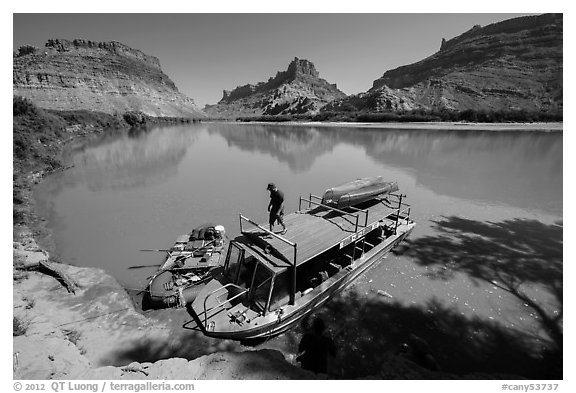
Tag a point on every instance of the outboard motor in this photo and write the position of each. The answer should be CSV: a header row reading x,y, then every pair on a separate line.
x,y
220,233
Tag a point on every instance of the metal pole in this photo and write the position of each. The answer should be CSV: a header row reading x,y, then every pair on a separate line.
x,y
310,201
269,295
398,214
240,223
293,292
268,231
253,287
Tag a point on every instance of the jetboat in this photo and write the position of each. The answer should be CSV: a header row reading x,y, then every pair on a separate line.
x,y
269,281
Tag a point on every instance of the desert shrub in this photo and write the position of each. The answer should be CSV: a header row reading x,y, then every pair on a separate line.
x,y
418,115
85,117
26,50
134,119
23,106
267,118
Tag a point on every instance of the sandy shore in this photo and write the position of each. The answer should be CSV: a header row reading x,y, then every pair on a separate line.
x,y
456,126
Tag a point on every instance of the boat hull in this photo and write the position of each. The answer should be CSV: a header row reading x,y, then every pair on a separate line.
x,y
158,296
277,324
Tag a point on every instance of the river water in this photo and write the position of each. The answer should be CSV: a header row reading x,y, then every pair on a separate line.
x,y
488,205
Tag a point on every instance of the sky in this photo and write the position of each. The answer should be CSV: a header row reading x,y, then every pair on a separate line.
x,y
206,53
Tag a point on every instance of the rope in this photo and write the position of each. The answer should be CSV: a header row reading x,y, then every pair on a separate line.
x,y
94,317
136,289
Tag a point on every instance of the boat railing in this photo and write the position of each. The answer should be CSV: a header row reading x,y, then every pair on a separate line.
x,y
265,230
221,304
399,197
400,211
292,244
407,217
311,202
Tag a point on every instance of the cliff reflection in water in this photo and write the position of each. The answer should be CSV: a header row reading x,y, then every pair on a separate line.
x,y
298,147
522,169
139,159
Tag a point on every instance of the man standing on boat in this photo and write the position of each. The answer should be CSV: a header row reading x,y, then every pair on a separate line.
x,y
276,207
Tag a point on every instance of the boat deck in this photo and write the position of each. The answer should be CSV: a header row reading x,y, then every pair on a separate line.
x,y
316,230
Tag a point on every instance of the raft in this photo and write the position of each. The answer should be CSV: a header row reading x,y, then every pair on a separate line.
x,y
189,264
358,191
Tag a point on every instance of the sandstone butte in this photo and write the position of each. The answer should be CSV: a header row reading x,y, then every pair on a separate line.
x,y
515,64
298,90
511,65
108,77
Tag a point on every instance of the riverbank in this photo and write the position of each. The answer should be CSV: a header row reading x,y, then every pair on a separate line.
x,y
429,126
95,333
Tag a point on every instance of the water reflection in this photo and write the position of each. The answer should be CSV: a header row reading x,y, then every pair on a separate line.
x,y
521,169
136,160
298,147
517,169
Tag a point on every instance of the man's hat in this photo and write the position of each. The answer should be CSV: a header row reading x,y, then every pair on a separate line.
x,y
271,186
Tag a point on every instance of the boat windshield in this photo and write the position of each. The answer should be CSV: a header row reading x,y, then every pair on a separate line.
x,y
239,268
260,288
280,292
233,263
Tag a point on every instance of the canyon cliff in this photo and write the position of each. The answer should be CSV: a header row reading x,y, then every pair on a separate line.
x,y
297,90
512,65
107,77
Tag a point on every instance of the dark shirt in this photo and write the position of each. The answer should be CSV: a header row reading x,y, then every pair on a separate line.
x,y
276,199
316,349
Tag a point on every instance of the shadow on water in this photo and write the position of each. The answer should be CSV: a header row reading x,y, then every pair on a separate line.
x,y
512,255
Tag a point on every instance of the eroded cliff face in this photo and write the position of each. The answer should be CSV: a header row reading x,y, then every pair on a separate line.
x,y
299,89
511,65
108,77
